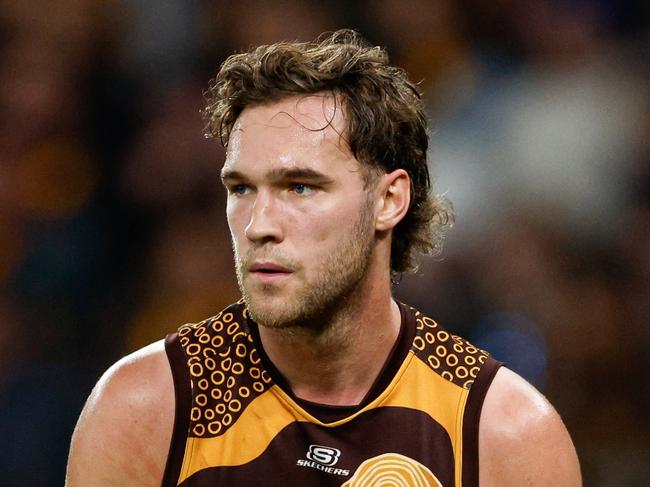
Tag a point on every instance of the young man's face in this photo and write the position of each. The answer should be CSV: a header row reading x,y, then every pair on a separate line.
x,y
302,223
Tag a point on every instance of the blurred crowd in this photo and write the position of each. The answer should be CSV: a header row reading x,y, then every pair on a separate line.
x,y
112,226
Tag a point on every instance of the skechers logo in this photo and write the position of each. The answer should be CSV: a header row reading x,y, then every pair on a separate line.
x,y
323,458
324,455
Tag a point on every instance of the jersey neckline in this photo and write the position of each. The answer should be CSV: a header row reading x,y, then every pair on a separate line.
x,y
327,413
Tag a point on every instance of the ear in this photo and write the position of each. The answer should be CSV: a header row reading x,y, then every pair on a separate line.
x,y
394,198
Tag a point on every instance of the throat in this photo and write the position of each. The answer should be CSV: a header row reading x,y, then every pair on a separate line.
x,y
337,367
324,367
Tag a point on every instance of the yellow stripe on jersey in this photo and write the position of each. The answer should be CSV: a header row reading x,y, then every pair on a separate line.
x,y
244,441
422,389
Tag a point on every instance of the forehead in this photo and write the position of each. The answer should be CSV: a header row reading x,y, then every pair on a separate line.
x,y
298,130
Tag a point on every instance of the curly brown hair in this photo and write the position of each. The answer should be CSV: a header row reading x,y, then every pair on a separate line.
x,y
386,125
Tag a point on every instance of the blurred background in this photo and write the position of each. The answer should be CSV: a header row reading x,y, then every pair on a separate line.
x,y
112,227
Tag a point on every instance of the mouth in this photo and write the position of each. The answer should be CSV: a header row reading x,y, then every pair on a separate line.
x,y
268,272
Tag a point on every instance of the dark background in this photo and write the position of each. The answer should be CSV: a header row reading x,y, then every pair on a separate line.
x,y
112,227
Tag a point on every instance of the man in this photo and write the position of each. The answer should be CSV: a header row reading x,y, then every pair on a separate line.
x,y
317,376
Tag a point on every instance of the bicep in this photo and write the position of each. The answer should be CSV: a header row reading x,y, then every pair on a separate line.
x,y
122,436
522,439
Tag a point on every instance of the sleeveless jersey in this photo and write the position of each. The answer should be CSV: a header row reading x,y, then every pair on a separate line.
x,y
238,424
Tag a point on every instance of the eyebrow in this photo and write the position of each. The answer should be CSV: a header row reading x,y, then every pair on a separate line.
x,y
276,175
227,174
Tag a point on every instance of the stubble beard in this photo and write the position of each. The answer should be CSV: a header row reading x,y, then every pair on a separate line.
x,y
318,303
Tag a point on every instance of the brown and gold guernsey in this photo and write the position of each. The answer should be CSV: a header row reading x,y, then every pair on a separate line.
x,y
237,423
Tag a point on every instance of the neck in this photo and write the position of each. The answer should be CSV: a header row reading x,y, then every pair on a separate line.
x,y
338,363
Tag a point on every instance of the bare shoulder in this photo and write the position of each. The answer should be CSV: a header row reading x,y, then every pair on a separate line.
x,y
124,431
522,439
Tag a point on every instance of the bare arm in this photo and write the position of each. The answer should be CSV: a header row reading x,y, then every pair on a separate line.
x,y
522,440
124,431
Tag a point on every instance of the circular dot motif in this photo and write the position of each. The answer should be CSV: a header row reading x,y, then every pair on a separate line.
x,y
225,370
454,358
214,427
428,322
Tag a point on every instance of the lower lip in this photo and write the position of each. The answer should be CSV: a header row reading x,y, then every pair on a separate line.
x,y
270,277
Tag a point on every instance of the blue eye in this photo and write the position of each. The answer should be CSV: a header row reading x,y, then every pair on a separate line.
x,y
300,188
239,189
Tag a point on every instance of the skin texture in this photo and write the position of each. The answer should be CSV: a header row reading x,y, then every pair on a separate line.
x,y
274,197
298,205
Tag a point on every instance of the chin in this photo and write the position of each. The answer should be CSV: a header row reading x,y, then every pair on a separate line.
x,y
269,309
270,316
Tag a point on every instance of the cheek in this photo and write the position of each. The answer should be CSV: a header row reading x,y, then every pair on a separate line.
x,y
323,230
236,221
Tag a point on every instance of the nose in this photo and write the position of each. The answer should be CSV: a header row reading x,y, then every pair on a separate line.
x,y
265,222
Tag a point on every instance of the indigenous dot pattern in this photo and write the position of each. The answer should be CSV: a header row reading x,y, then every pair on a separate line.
x,y
452,357
226,373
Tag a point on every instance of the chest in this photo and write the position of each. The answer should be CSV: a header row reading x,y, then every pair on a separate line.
x,y
381,446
